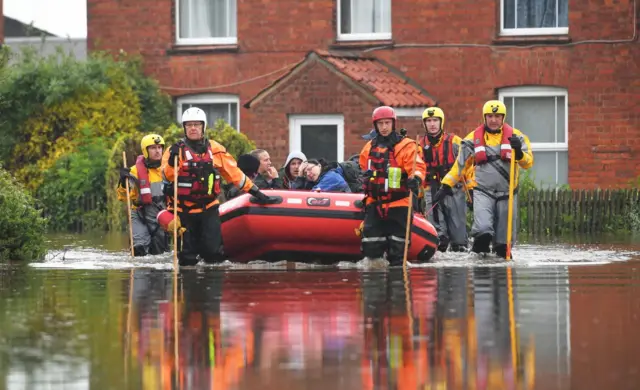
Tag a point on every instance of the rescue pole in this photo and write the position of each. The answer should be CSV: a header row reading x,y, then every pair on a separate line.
x,y
176,356
124,160
512,171
410,210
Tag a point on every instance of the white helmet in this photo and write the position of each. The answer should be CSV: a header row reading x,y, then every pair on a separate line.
x,y
194,114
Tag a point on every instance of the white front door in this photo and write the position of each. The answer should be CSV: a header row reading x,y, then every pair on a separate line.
x,y
317,136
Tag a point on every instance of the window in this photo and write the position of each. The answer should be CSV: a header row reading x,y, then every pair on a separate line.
x,y
317,136
215,106
542,114
206,22
534,17
361,20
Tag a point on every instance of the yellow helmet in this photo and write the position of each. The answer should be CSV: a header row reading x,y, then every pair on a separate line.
x,y
148,140
494,107
434,112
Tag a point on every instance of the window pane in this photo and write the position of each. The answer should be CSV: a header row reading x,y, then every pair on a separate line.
x,y
544,168
207,18
534,116
216,111
365,16
319,141
560,102
536,13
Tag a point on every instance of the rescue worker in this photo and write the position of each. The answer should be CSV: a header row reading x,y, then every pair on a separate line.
x,y
490,147
201,162
440,150
146,193
387,161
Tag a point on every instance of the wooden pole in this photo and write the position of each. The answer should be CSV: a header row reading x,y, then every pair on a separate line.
x,y
124,159
512,180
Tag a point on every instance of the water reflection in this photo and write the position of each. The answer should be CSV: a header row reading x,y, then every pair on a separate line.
x,y
440,329
446,328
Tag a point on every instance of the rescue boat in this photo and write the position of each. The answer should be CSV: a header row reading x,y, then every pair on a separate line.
x,y
309,227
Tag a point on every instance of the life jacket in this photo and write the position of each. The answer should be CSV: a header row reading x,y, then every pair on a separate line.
x,y
198,180
480,146
439,159
376,186
143,179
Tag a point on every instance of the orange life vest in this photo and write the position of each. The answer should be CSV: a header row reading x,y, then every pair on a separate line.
x,y
380,159
480,146
198,180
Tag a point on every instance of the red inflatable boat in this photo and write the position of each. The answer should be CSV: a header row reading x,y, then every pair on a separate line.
x,y
305,226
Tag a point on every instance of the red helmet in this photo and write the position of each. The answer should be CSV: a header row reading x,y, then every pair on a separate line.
x,y
384,112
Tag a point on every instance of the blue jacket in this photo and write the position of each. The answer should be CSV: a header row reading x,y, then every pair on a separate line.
x,y
332,181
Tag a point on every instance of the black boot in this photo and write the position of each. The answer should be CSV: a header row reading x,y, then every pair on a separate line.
x,y
458,248
481,243
443,243
139,250
501,250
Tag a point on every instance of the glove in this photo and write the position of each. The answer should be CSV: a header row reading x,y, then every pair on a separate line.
x,y
414,184
174,152
359,203
444,190
124,174
260,197
516,145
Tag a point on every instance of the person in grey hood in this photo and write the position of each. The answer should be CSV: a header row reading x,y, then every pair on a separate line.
x,y
292,178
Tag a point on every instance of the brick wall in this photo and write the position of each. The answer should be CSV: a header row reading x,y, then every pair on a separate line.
x,y
602,79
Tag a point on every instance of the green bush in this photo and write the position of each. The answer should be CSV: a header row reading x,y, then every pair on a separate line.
x,y
22,227
73,191
46,102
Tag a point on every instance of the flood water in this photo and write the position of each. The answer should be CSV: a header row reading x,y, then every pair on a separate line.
x,y
90,317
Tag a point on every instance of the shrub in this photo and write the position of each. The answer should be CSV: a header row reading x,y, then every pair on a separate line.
x,y
22,227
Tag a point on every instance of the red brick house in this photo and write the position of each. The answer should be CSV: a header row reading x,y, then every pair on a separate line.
x,y
307,74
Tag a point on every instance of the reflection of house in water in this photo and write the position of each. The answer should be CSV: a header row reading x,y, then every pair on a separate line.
x,y
18,36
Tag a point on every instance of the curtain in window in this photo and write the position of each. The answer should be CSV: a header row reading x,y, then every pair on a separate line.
x,y
536,13
207,18
365,16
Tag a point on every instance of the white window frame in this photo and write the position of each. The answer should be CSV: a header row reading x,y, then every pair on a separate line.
x,y
360,36
539,91
529,31
297,121
208,98
413,112
233,40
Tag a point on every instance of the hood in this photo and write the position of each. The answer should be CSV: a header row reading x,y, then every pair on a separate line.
x,y
293,155
370,135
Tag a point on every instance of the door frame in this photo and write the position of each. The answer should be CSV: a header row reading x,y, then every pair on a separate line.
x,y
295,136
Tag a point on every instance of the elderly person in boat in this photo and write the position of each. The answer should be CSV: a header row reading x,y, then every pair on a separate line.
x,y
292,177
324,176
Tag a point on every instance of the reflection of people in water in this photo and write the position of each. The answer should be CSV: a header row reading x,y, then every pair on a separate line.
x,y
448,328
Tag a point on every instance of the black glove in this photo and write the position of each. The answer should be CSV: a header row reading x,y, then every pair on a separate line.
x,y
414,184
124,174
260,197
470,201
174,152
516,145
444,190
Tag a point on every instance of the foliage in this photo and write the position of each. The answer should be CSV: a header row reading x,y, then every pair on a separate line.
x,y
46,102
234,141
74,180
21,225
